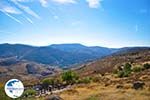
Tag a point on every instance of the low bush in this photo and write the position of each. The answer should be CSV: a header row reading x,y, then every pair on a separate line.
x,y
127,67
137,69
46,82
85,80
69,77
125,72
120,74
3,96
29,92
146,66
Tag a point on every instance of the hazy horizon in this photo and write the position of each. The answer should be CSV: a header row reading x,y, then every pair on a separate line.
x,y
72,44
106,23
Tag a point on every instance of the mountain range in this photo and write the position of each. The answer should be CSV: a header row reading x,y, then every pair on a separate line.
x,y
31,63
56,55
62,55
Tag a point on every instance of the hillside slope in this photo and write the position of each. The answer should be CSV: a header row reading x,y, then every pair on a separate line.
x,y
25,70
107,64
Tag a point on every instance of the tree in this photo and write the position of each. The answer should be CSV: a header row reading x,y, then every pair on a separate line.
x,y
69,77
46,82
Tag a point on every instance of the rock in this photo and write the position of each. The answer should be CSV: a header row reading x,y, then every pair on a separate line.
x,y
127,86
119,86
144,77
53,97
31,69
138,85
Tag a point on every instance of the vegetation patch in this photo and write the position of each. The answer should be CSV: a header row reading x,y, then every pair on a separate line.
x,y
127,69
69,77
124,71
29,92
137,69
93,97
146,66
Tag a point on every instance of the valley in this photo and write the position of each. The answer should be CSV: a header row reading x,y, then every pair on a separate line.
x,y
74,49
102,77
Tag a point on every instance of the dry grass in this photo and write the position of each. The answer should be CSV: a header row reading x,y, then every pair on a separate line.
x,y
106,88
95,91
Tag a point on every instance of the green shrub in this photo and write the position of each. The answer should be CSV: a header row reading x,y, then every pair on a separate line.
x,y
69,77
123,74
146,66
3,96
29,92
85,80
120,74
127,67
46,82
137,69
126,71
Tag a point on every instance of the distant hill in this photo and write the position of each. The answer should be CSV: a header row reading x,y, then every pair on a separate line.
x,y
95,51
30,63
107,64
56,55
18,50
24,70
62,55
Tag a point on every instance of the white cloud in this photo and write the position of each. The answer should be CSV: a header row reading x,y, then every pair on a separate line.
x,y
44,3
15,19
94,3
25,0
26,9
10,10
5,7
65,1
29,20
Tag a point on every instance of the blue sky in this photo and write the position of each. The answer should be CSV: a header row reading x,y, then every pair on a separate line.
x,y
109,23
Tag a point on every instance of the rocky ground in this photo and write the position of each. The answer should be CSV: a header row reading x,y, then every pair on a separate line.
x,y
108,87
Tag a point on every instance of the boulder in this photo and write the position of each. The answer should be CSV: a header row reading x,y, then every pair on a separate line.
x,y
119,86
138,85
